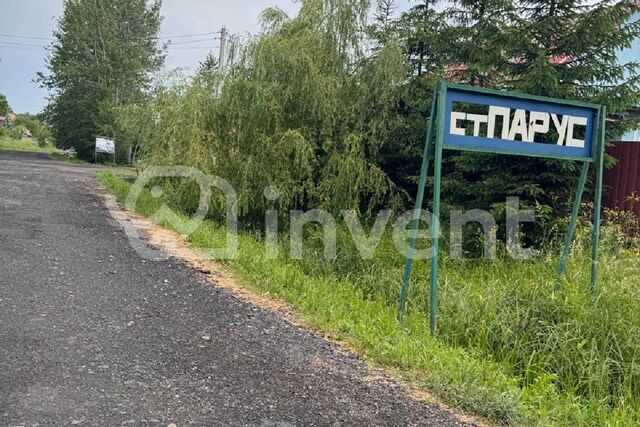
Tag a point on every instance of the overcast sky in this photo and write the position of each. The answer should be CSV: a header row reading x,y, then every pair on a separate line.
x,y
35,20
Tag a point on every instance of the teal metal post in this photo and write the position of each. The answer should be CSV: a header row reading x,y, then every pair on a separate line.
x,y
426,159
435,224
572,222
598,203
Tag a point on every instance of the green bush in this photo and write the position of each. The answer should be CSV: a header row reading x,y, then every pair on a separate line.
x,y
16,132
39,130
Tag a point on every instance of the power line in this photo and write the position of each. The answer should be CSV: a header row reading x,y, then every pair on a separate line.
x,y
177,36
38,47
192,41
25,37
170,44
190,47
23,48
22,44
181,36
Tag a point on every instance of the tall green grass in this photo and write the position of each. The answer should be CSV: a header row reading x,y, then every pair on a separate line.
x,y
509,347
12,144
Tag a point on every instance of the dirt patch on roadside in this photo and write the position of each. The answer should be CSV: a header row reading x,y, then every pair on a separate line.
x,y
176,246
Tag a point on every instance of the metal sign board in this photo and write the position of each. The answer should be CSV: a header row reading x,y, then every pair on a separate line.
x,y
492,121
105,145
499,122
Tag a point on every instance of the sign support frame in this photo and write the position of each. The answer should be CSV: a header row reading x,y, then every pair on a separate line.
x,y
434,145
426,159
597,207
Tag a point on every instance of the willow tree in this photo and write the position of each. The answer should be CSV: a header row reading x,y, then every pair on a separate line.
x,y
302,107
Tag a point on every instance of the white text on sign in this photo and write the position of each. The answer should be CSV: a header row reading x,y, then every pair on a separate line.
x,y
518,126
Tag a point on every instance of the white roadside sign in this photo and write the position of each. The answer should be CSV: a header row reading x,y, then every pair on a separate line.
x,y
105,145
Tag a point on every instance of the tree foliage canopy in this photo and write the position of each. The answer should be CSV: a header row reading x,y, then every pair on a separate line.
x,y
4,105
102,57
564,49
331,107
301,108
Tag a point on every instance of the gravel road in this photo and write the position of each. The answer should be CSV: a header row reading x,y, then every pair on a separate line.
x,y
93,335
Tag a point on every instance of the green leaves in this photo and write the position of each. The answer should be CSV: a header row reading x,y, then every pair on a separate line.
x,y
4,105
564,49
102,58
300,108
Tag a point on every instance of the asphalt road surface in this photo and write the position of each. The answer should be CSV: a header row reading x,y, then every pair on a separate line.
x,y
92,335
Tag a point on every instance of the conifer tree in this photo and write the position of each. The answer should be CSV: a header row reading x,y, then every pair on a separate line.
x,y
419,32
564,49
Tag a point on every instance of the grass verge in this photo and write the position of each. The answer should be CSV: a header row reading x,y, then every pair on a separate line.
x,y
509,348
7,143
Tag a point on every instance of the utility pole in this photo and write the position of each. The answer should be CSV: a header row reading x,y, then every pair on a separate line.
x,y
223,46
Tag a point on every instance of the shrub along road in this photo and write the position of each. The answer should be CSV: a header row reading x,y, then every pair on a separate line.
x,y
91,334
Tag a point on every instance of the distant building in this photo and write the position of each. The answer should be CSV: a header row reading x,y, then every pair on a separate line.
x,y
8,119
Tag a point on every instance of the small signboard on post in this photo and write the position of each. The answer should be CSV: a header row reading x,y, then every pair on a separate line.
x,y
105,145
491,121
